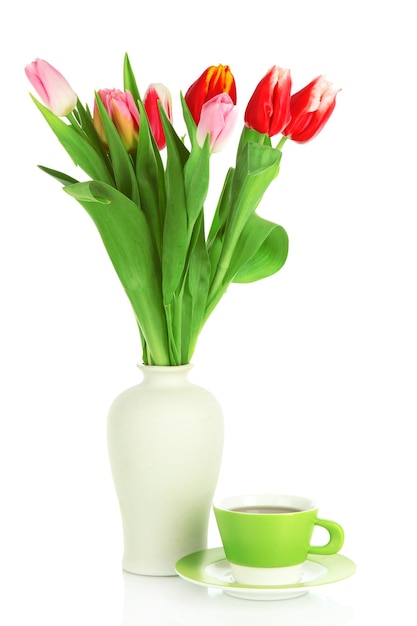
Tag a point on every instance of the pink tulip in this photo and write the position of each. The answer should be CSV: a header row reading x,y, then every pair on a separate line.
x,y
268,110
124,114
155,93
311,107
218,118
52,87
215,80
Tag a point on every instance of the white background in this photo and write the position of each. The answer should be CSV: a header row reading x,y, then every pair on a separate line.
x,y
315,367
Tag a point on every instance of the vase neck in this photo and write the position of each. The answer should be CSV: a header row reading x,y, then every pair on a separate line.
x,y
164,375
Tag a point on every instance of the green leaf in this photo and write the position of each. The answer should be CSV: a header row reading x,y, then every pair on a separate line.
x,y
196,170
150,178
252,136
79,149
196,181
88,129
257,166
175,236
124,173
173,317
126,237
195,292
261,251
91,191
60,176
183,152
189,121
129,80
220,216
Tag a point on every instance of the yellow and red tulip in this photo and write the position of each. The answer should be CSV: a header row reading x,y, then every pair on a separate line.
x,y
124,114
268,110
311,107
157,92
53,89
215,80
218,118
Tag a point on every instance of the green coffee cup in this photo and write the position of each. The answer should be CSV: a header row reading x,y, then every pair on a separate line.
x,y
267,537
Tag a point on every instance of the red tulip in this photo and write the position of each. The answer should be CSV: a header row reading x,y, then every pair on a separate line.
x,y
52,87
268,110
155,93
218,118
311,107
124,114
212,82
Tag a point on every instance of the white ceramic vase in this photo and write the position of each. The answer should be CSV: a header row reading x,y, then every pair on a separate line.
x,y
165,440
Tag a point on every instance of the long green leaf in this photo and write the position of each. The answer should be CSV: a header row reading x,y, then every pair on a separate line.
x,y
189,122
126,237
216,233
79,149
129,79
175,236
261,251
196,181
87,128
222,209
196,170
257,166
59,176
151,179
195,292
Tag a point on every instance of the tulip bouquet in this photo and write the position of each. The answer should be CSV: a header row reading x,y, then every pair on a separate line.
x,y
147,187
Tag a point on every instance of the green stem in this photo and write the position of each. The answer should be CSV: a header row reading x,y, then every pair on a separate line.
x,y
281,142
217,284
172,314
213,301
74,123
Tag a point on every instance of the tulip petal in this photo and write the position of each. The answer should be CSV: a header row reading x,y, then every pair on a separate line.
x,y
124,114
155,94
52,88
268,110
218,118
124,173
212,82
311,108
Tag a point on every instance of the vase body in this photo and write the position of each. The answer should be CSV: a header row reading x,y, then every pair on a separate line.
x,y
165,441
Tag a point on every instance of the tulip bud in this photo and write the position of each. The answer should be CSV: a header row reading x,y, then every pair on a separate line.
x,y
52,87
124,114
268,110
212,82
155,93
218,118
311,107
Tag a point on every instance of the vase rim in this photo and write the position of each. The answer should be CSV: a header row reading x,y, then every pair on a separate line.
x,y
165,368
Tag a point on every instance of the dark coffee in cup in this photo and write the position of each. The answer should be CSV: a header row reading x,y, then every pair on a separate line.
x,y
268,510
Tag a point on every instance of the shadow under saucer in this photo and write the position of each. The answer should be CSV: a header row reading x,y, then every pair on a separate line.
x,y
172,601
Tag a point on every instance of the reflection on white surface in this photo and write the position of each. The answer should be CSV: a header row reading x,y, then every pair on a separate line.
x,y
172,601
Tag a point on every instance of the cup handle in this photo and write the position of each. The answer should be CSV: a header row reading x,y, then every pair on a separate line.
x,y
336,539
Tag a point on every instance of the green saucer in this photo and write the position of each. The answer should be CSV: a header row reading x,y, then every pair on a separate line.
x,y
210,568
